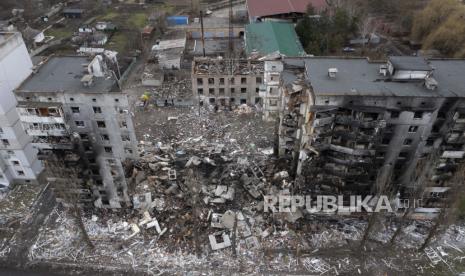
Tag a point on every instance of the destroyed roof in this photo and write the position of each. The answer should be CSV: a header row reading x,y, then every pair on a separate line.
x,y
260,8
64,74
409,63
358,76
269,37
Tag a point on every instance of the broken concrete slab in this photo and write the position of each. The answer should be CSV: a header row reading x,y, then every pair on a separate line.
x,y
228,219
219,241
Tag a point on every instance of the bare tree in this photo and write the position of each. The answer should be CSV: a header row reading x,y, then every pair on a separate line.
x,y
194,188
67,186
383,181
449,210
422,174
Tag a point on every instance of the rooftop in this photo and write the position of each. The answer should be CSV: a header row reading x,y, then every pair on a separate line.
x,y
64,74
270,37
261,8
215,66
409,63
359,76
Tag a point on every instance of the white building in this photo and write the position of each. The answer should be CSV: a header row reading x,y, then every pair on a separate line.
x,y
270,92
18,159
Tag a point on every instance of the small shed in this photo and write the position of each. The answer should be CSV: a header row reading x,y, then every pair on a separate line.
x,y
73,13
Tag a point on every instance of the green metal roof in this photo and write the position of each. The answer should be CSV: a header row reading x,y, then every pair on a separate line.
x,y
270,37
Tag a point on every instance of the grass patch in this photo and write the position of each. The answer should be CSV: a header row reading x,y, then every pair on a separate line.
x,y
137,20
118,42
59,33
110,15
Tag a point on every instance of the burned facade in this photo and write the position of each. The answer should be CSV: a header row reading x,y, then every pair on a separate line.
x,y
73,105
227,82
344,122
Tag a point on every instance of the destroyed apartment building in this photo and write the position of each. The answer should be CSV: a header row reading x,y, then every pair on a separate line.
x,y
345,121
227,81
18,158
72,104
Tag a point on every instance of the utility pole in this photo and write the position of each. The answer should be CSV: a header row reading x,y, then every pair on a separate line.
x,y
203,33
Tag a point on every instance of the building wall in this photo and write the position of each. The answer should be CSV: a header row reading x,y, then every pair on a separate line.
x,y
105,128
226,89
19,159
343,143
271,92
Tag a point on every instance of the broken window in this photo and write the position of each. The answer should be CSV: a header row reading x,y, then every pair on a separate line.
x,y
243,90
418,115
231,81
108,149
233,90
101,124
116,100
97,109
211,91
94,100
211,81
441,115
429,141
125,138
258,80
79,123
200,91
395,114
53,111
386,141
128,151
232,100
403,154
243,80
32,111
221,91
123,124
105,137
199,81
20,173
1,130
221,81
257,90
273,102
75,109
243,101
71,99
212,100
408,142
84,136
15,163
413,129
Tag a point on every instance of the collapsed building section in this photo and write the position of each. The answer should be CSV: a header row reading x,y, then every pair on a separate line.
x,y
227,82
344,122
73,105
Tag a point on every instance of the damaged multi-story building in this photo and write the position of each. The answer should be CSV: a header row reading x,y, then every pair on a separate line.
x,y
74,104
18,159
227,81
346,121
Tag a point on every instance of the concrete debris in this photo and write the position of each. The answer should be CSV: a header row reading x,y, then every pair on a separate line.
x,y
219,240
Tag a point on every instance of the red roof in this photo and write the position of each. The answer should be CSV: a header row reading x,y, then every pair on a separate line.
x,y
260,8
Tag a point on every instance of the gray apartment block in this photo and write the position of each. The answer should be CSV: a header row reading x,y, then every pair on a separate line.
x,y
346,121
71,99
18,159
227,82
